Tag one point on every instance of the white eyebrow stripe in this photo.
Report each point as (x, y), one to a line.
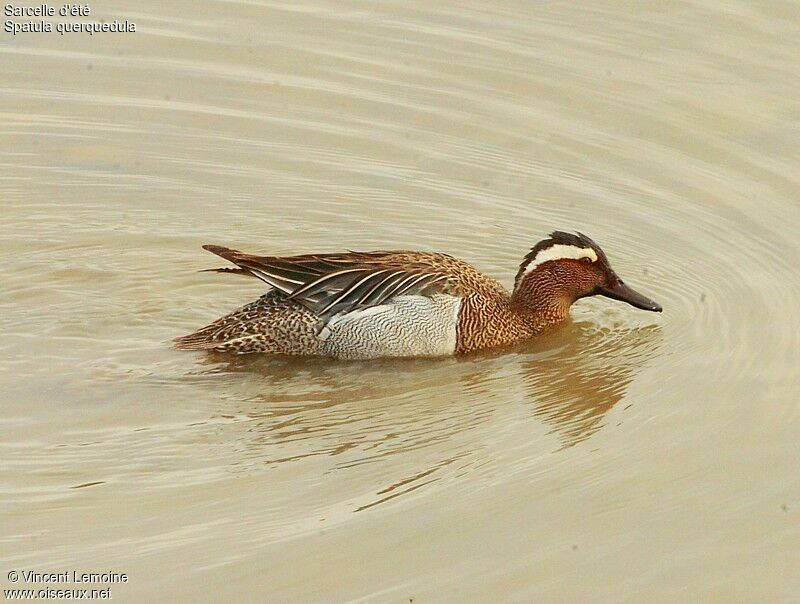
(560, 252)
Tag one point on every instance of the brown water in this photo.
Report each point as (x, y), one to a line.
(626, 456)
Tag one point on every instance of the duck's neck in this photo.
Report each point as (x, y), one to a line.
(540, 301)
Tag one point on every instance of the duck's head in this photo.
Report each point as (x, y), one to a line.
(566, 267)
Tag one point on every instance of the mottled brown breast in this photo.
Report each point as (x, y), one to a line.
(488, 322)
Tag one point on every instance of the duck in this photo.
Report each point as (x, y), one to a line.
(366, 305)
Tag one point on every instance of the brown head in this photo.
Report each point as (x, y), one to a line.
(565, 268)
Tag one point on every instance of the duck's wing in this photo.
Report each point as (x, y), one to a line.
(328, 284)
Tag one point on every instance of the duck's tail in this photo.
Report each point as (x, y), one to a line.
(202, 339)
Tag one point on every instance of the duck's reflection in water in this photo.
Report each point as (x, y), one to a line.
(431, 415)
(578, 374)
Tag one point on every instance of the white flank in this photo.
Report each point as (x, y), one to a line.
(560, 252)
(406, 326)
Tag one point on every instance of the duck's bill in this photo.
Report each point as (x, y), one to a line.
(623, 293)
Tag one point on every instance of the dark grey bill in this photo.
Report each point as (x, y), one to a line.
(623, 293)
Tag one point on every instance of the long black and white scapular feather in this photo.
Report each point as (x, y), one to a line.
(329, 284)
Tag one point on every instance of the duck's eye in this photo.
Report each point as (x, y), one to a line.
(586, 260)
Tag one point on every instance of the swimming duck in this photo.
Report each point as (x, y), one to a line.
(361, 305)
